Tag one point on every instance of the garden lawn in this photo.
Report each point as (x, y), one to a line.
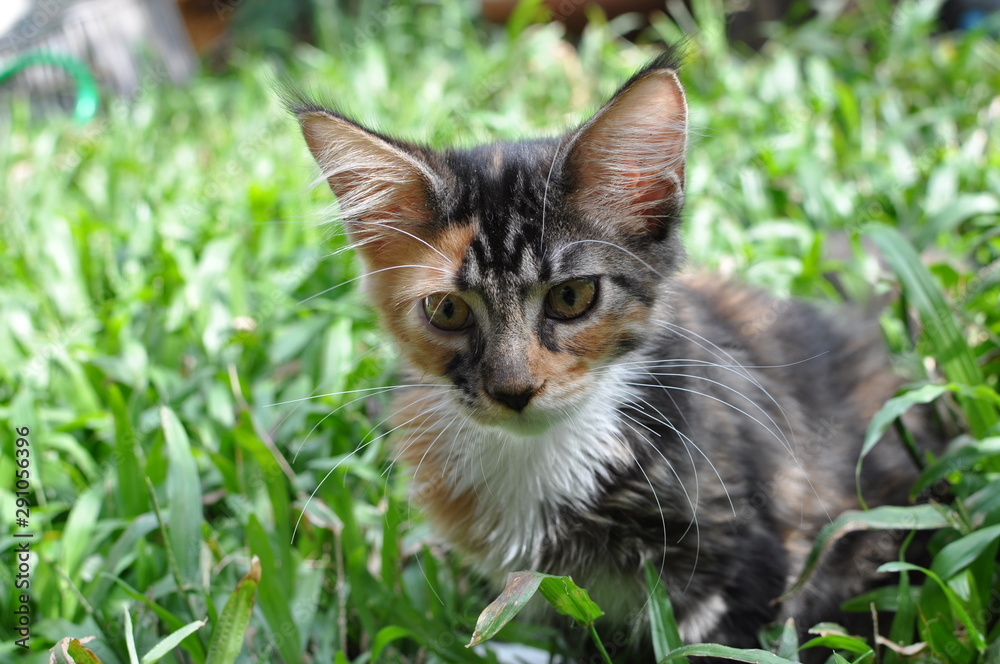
(200, 380)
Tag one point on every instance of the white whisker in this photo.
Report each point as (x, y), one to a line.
(687, 334)
(341, 407)
(423, 414)
(377, 390)
(694, 362)
(782, 439)
(367, 274)
(411, 439)
(337, 465)
(716, 399)
(407, 233)
(545, 195)
(687, 440)
(616, 246)
(416, 470)
(659, 508)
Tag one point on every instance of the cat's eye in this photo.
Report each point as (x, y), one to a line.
(571, 299)
(447, 311)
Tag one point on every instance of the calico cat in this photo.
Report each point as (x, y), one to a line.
(579, 406)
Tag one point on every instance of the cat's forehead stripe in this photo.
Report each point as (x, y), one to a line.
(502, 188)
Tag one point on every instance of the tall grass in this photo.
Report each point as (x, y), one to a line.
(199, 390)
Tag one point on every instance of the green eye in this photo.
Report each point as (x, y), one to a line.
(447, 311)
(571, 299)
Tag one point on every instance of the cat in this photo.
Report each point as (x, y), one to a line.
(579, 404)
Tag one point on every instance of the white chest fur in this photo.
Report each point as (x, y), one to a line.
(523, 482)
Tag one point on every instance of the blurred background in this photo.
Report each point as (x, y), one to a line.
(48, 48)
(181, 332)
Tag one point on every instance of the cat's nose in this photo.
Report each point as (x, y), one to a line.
(515, 400)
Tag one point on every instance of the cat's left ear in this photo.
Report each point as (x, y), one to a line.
(626, 164)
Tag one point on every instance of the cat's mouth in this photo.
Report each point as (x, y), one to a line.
(529, 423)
(532, 420)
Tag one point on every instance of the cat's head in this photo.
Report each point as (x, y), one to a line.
(516, 271)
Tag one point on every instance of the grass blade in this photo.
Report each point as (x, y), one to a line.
(78, 535)
(666, 636)
(72, 651)
(957, 605)
(570, 599)
(947, 343)
(788, 643)
(565, 597)
(133, 657)
(957, 555)
(80, 654)
(887, 517)
(904, 622)
(725, 652)
(887, 414)
(184, 498)
(275, 599)
(972, 630)
(387, 635)
(227, 639)
(171, 641)
(119, 556)
(131, 488)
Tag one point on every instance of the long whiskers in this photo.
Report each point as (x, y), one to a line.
(665, 421)
(376, 390)
(367, 274)
(694, 362)
(776, 432)
(408, 234)
(712, 347)
(659, 507)
(687, 333)
(717, 400)
(414, 435)
(409, 510)
(368, 392)
(339, 463)
(329, 415)
(645, 367)
(289, 412)
(615, 246)
(693, 503)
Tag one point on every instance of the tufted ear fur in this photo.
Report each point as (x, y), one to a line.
(626, 164)
(378, 182)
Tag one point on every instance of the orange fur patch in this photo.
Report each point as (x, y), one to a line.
(598, 339)
(544, 364)
(397, 290)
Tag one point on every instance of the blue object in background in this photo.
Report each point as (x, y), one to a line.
(968, 14)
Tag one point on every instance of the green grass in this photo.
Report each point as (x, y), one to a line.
(158, 338)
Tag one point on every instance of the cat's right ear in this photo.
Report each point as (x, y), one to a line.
(378, 182)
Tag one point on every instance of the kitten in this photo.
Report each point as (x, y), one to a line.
(578, 406)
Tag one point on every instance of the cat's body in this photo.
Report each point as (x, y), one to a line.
(578, 408)
(715, 454)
